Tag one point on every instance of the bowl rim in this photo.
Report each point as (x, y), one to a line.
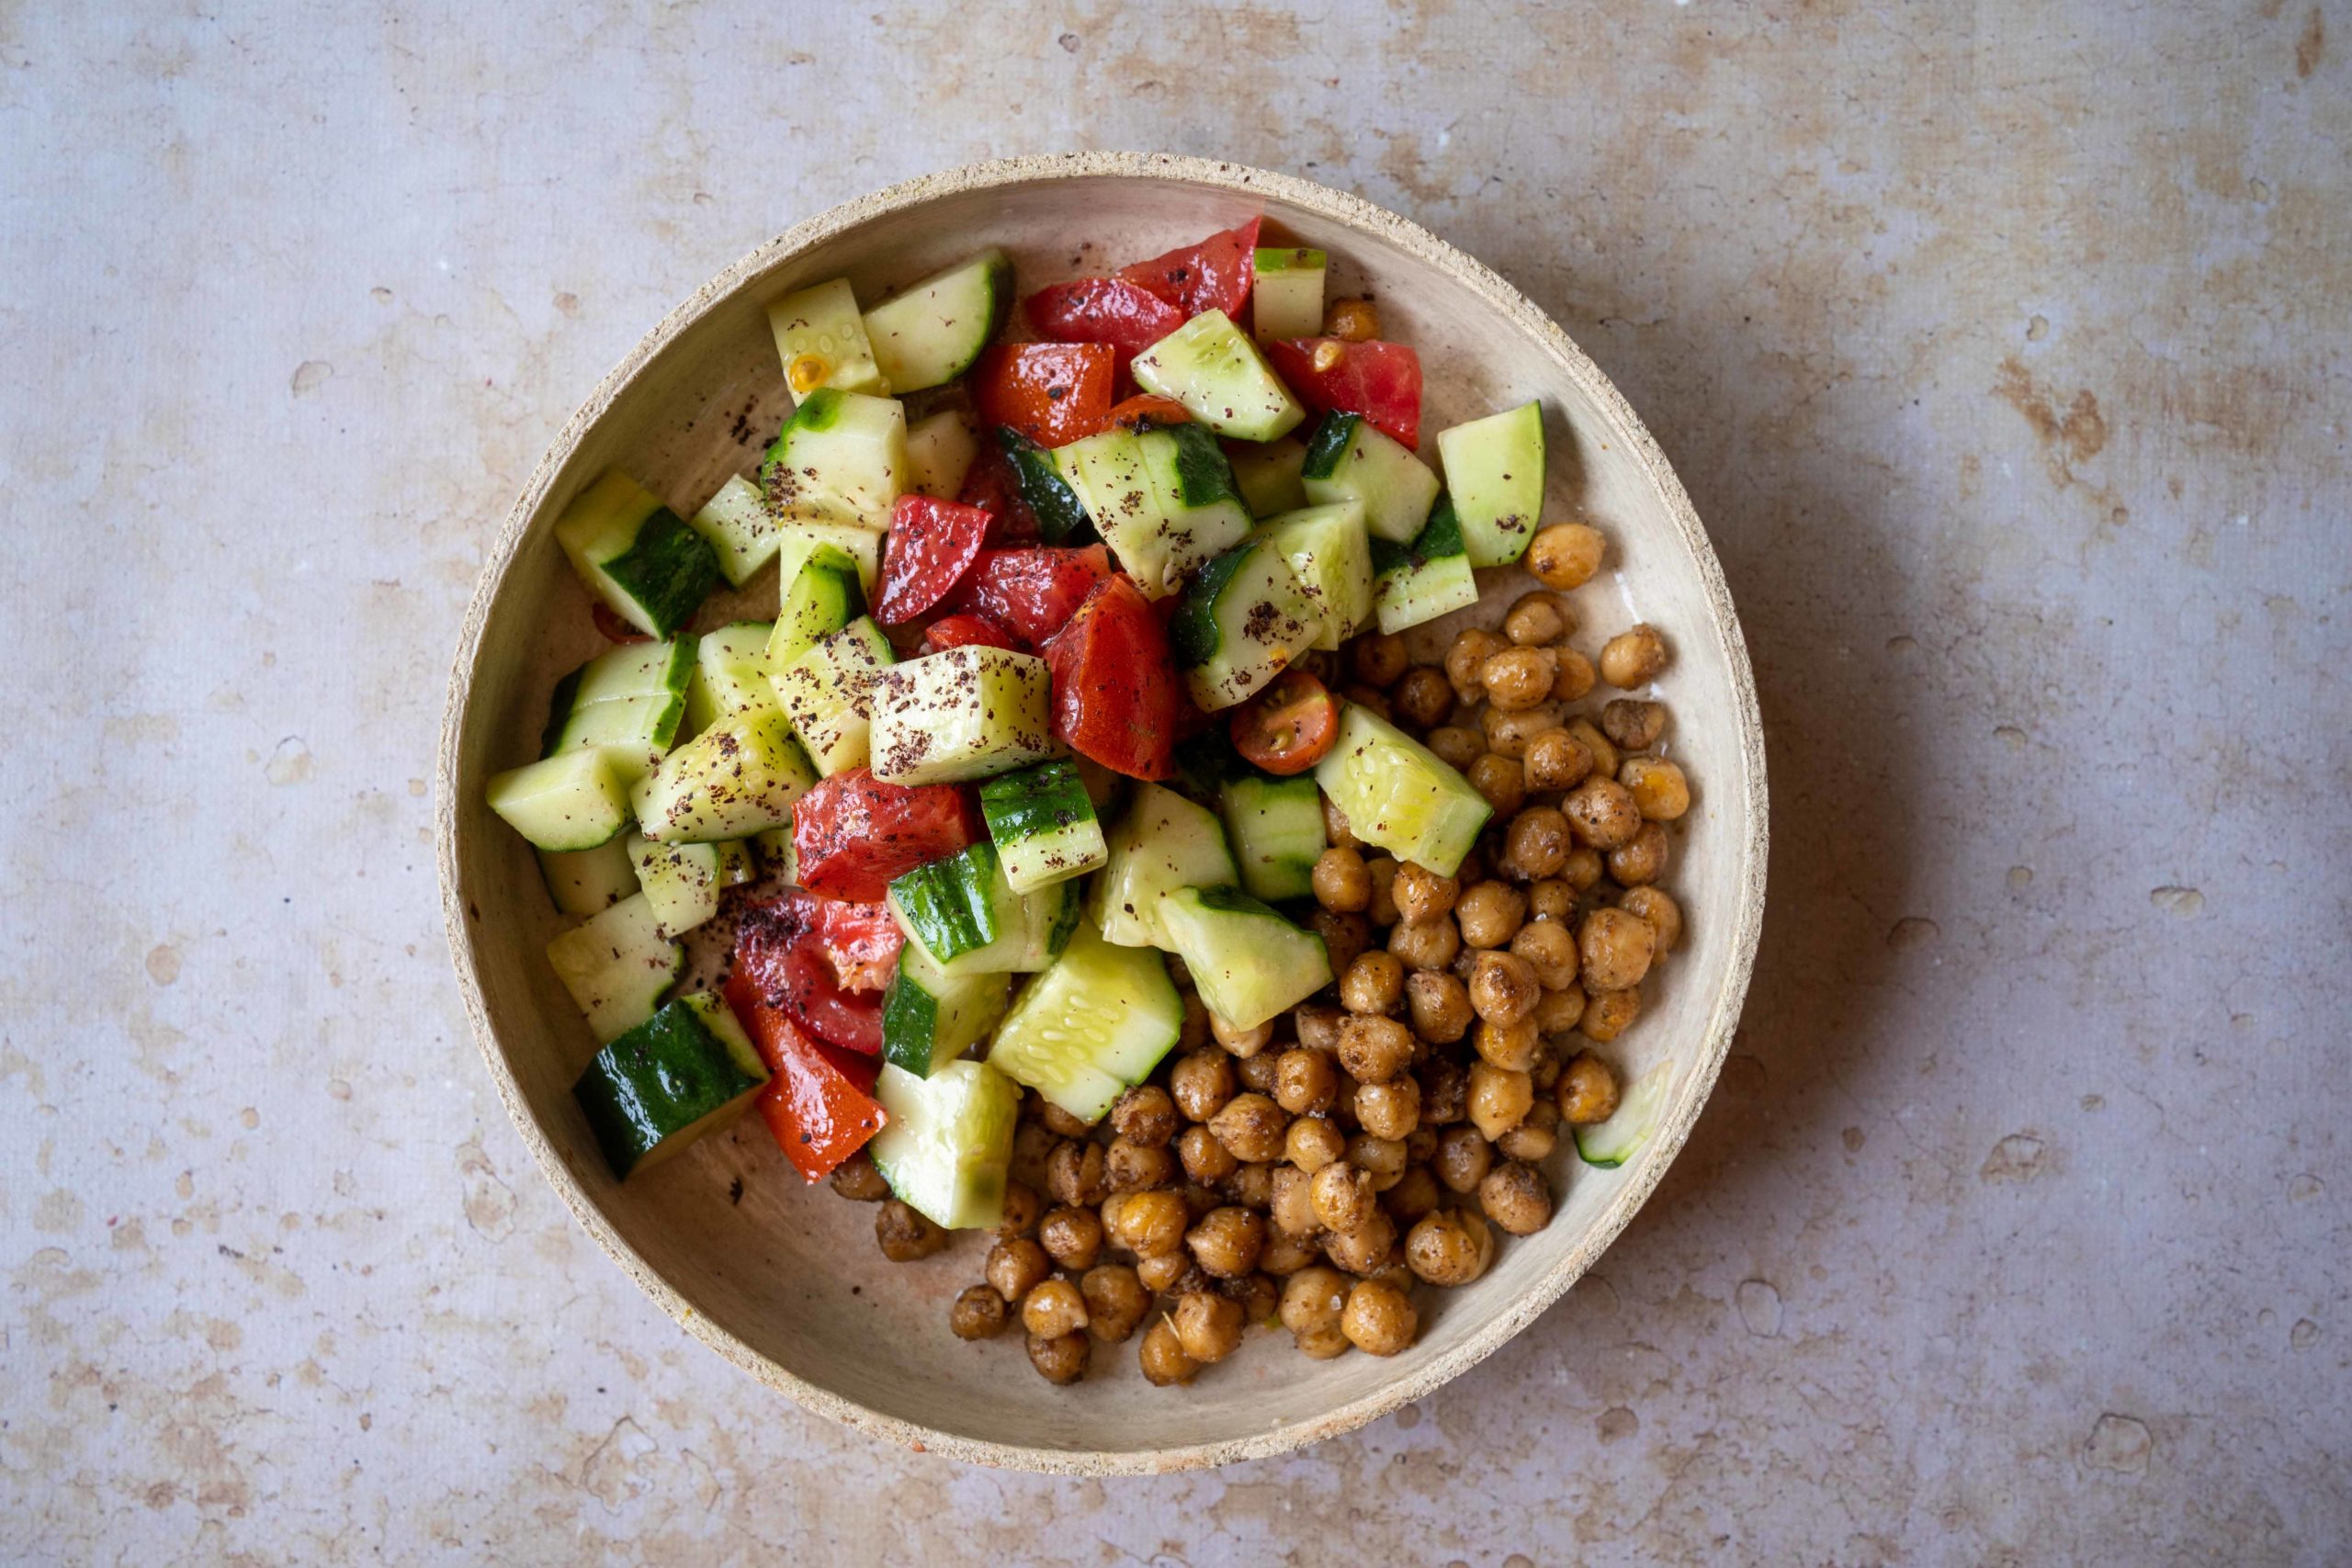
(1347, 210)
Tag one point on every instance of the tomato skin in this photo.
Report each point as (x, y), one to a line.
(1144, 409)
(818, 1102)
(1380, 381)
(932, 544)
(1115, 310)
(991, 485)
(1213, 274)
(612, 627)
(1117, 696)
(859, 941)
(1033, 591)
(1051, 392)
(1287, 727)
(852, 833)
(964, 631)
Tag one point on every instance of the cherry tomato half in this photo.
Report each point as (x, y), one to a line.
(1145, 409)
(1289, 727)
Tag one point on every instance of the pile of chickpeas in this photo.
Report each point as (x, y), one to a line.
(1313, 1169)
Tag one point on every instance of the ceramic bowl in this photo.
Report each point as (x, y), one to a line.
(786, 1280)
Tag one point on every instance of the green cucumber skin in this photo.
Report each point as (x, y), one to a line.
(656, 1080)
(1251, 973)
(559, 711)
(668, 570)
(1061, 516)
(1329, 445)
(1275, 827)
(909, 1025)
(948, 902)
(1193, 636)
(1203, 477)
(1046, 798)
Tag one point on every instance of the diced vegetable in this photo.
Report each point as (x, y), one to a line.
(841, 458)
(1242, 622)
(683, 882)
(736, 523)
(1431, 579)
(821, 340)
(1330, 552)
(1398, 795)
(827, 693)
(1249, 962)
(1493, 471)
(966, 712)
(931, 544)
(1163, 843)
(782, 952)
(1382, 381)
(1276, 830)
(962, 631)
(1208, 365)
(589, 882)
(1348, 459)
(1287, 298)
(1033, 593)
(574, 800)
(1061, 516)
(931, 1017)
(735, 779)
(617, 965)
(949, 1143)
(1043, 824)
(1163, 499)
(1288, 727)
(628, 704)
(1097, 1021)
(931, 332)
(1117, 697)
(822, 589)
(635, 555)
(1267, 474)
(1612, 1143)
(939, 453)
(968, 919)
(730, 674)
(853, 833)
(688, 1070)
(819, 1103)
(1213, 274)
(1124, 315)
(1051, 392)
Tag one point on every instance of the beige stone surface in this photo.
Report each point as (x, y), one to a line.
(2004, 349)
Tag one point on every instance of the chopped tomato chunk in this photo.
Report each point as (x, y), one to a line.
(1380, 381)
(991, 485)
(932, 544)
(1032, 593)
(959, 631)
(1117, 697)
(1145, 409)
(1211, 275)
(818, 1102)
(861, 940)
(852, 833)
(1051, 392)
(1125, 314)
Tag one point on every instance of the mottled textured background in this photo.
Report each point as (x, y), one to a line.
(2004, 348)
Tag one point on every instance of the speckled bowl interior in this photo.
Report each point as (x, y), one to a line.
(785, 1279)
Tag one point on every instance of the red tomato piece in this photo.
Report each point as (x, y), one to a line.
(1144, 409)
(1380, 381)
(931, 545)
(860, 941)
(961, 631)
(1033, 593)
(1117, 697)
(818, 1102)
(1051, 392)
(779, 953)
(989, 485)
(1289, 726)
(1211, 275)
(1127, 316)
(853, 832)
(612, 627)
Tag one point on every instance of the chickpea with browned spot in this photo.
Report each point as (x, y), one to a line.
(1415, 1194)
(1225, 1241)
(1206, 1158)
(1421, 894)
(1632, 725)
(1053, 1308)
(1535, 845)
(1015, 1268)
(1424, 698)
(1145, 1115)
(1022, 1208)
(1292, 1210)
(1601, 812)
(1343, 936)
(1256, 1074)
(1490, 914)
(1313, 1302)
(1289, 1254)
(1201, 1083)
(1661, 793)
(1163, 1272)
(1390, 1110)
(1445, 1089)
(1374, 1050)
(1512, 1046)
(1193, 1032)
(1549, 951)
(1318, 1026)
(1062, 1358)
(1115, 1301)
(1375, 983)
(1341, 1195)
(1633, 657)
(1575, 678)
(1367, 1248)
(1604, 753)
(1439, 1005)
(1613, 949)
(1609, 1013)
(856, 1180)
(1581, 870)
(1335, 826)
(1465, 661)
(1161, 1355)
(1250, 1127)
(1510, 732)
(1559, 1011)
(1503, 988)
(1381, 1158)
(1586, 1093)
(1313, 1141)
(1643, 860)
(1364, 696)
(1071, 1237)
(1074, 1174)
(1448, 1247)
(1565, 555)
(1516, 1197)
(1499, 1097)
(1208, 1326)
(1340, 882)
(1304, 1081)
(1257, 1292)
(1457, 746)
(1500, 780)
(1239, 1041)
(979, 1313)
(1537, 619)
(1379, 1318)
(1550, 897)
(1251, 1185)
(1431, 944)
(1378, 659)
(1150, 1224)
(1519, 678)
(1463, 1156)
(905, 1236)
(1532, 1141)
(1555, 760)
(1663, 914)
(1129, 1167)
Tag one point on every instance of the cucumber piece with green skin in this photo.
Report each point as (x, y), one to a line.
(962, 712)
(1043, 824)
(1399, 796)
(931, 334)
(820, 328)
(688, 1070)
(1612, 1143)
(801, 541)
(1493, 471)
(589, 882)
(1428, 579)
(1268, 475)
(930, 1017)
(1242, 621)
(823, 594)
(1249, 962)
(736, 523)
(1098, 1020)
(1349, 459)
(1330, 552)
(778, 857)
(629, 702)
(683, 882)
(946, 1145)
(1276, 828)
(964, 917)
(1162, 498)
(735, 779)
(1061, 516)
(730, 674)
(827, 692)
(1163, 843)
(1286, 293)
(1222, 379)
(841, 458)
(633, 553)
(573, 800)
(939, 453)
(617, 965)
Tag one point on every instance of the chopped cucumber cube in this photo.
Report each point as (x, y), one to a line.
(1331, 554)
(821, 340)
(1398, 795)
(841, 458)
(824, 594)
(939, 453)
(736, 523)
(1163, 843)
(589, 882)
(827, 692)
(1268, 476)
(1061, 516)
(1163, 499)
(931, 334)
(737, 778)
(962, 712)
(1099, 1020)
(1349, 459)
(617, 965)
(634, 554)
(1043, 824)
(966, 919)
(683, 882)
(1493, 470)
(1430, 579)
(1276, 826)
(1242, 621)
(930, 1017)
(1220, 377)
(629, 702)
(688, 1070)
(731, 675)
(947, 1145)
(1286, 295)
(1249, 962)
(573, 800)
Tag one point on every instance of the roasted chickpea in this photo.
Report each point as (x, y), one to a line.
(855, 1179)
(1225, 1241)
(1060, 1360)
(1193, 1032)
(1201, 1083)
(1145, 1115)
(1378, 659)
(1503, 988)
(1537, 619)
(1074, 1173)
(1559, 1011)
(1292, 1209)
(1462, 1158)
(1258, 1293)
(1062, 1121)
(1381, 1158)
(1390, 1110)
(1053, 1308)
(1430, 945)
(1445, 1089)
(1660, 792)
(1424, 698)
(1535, 845)
(1164, 1272)
(1242, 1043)
(1351, 321)
(1499, 1097)
(1581, 870)
(1364, 696)
(1149, 1224)
(1162, 1356)
(1633, 657)
(1500, 780)
(1022, 1207)
(1367, 1249)
(1554, 760)
(1379, 1318)
(1340, 1195)
(1632, 725)
(1129, 1167)
(1318, 1026)
(1255, 1073)
(1519, 678)
(1490, 914)
(1643, 860)
(1575, 677)
(1335, 826)
(1550, 899)
(1544, 1074)
(1115, 1301)
(1516, 1197)
(1206, 1158)
(1532, 1141)
(1288, 1254)
(1340, 882)
(1380, 909)
(1343, 936)
(1664, 915)
(1072, 1236)
(1250, 1127)
(1199, 1198)
(1512, 1046)
(1549, 951)
(1510, 732)
(1251, 1186)
(1466, 659)
(1374, 1050)
(1421, 894)
(1208, 1326)
(979, 1313)
(1312, 1141)
(1565, 555)
(1601, 812)
(1615, 947)
(1304, 1081)
(1452, 1248)
(1015, 1268)
(1457, 746)
(1605, 755)
(904, 1235)
(1313, 1300)
(1440, 1005)
(1609, 1013)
